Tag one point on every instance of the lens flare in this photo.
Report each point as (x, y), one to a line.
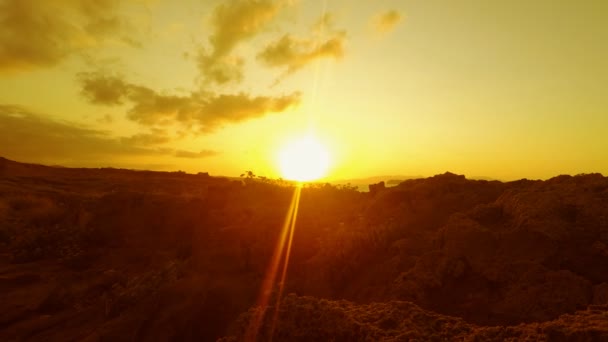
(281, 253)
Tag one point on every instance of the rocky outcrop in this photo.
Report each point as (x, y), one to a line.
(376, 188)
(312, 319)
(106, 254)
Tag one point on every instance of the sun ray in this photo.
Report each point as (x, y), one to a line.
(292, 228)
(280, 253)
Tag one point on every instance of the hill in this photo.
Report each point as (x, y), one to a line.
(110, 254)
(362, 183)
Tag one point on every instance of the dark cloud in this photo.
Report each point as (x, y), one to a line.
(101, 89)
(232, 22)
(236, 20)
(29, 136)
(30, 37)
(152, 108)
(42, 33)
(224, 109)
(206, 112)
(200, 154)
(293, 53)
(220, 70)
(200, 111)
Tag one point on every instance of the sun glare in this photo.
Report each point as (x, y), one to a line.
(304, 159)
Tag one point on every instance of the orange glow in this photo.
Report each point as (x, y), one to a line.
(281, 252)
(304, 159)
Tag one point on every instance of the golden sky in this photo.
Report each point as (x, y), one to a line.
(501, 89)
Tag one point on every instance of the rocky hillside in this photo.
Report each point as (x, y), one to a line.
(313, 319)
(109, 254)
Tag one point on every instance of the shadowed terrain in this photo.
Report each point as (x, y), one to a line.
(120, 255)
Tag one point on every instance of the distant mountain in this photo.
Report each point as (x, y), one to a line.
(363, 183)
(483, 178)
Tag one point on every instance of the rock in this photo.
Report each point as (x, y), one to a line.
(376, 188)
(600, 294)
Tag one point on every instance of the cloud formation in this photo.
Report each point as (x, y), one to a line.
(192, 155)
(386, 22)
(293, 53)
(220, 70)
(205, 112)
(233, 22)
(99, 88)
(42, 33)
(28, 136)
(201, 111)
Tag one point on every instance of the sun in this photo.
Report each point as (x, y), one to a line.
(304, 159)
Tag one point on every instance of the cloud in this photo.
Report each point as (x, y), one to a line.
(101, 89)
(293, 53)
(238, 20)
(233, 22)
(236, 108)
(201, 154)
(30, 38)
(154, 137)
(201, 111)
(206, 112)
(220, 70)
(30, 136)
(39, 34)
(386, 22)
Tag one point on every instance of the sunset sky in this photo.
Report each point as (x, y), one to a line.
(501, 89)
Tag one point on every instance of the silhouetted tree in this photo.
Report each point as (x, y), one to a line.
(248, 174)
